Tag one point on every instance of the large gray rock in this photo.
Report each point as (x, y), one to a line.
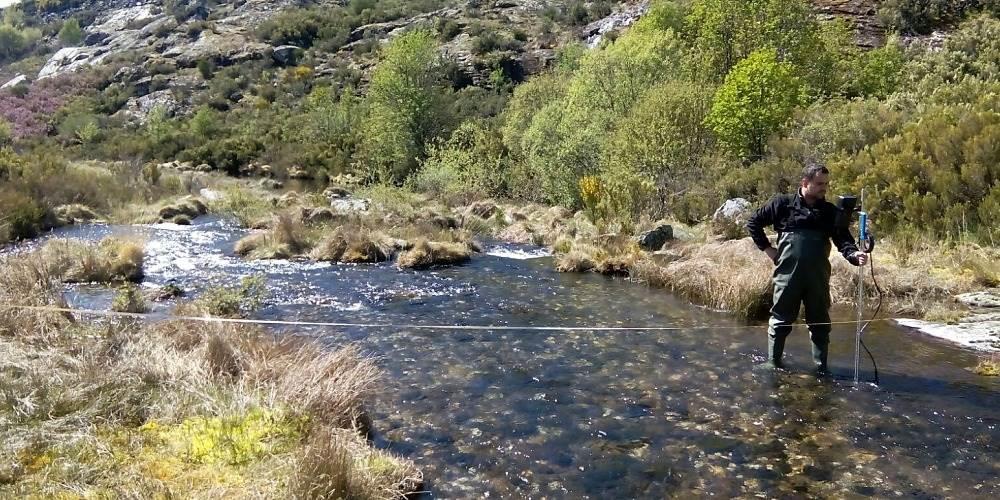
(350, 204)
(654, 239)
(95, 38)
(621, 18)
(730, 218)
(286, 55)
(732, 210)
(981, 300)
(137, 109)
(14, 81)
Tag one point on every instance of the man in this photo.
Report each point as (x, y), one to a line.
(805, 223)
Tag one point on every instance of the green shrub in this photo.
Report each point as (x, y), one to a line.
(473, 161)
(240, 301)
(71, 34)
(17, 42)
(924, 16)
(663, 137)
(20, 216)
(129, 299)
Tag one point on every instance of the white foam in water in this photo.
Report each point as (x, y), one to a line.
(983, 335)
(518, 253)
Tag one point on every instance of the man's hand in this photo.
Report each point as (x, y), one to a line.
(772, 253)
(861, 258)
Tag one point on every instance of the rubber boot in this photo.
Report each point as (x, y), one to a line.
(820, 350)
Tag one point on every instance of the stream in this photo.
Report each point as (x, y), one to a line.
(628, 414)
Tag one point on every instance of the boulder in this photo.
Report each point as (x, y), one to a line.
(729, 219)
(14, 81)
(654, 239)
(137, 109)
(981, 300)
(320, 215)
(296, 172)
(95, 38)
(166, 292)
(351, 205)
(286, 55)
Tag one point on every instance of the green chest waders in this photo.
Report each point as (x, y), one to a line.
(802, 276)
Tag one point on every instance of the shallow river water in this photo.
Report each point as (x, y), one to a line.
(636, 414)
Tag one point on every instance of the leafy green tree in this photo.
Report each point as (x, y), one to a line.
(16, 42)
(727, 31)
(756, 99)
(71, 34)
(664, 136)
(405, 107)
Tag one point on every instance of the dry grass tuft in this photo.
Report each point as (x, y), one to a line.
(426, 254)
(336, 464)
(286, 238)
(30, 281)
(178, 408)
(731, 275)
(113, 260)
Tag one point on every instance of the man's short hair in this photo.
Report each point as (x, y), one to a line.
(812, 169)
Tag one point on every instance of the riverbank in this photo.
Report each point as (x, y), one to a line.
(165, 408)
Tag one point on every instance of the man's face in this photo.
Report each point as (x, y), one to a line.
(816, 188)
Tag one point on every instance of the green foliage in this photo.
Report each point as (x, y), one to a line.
(17, 42)
(473, 161)
(129, 299)
(233, 302)
(755, 101)
(727, 31)
(663, 137)
(405, 108)
(939, 173)
(20, 216)
(70, 34)
(231, 440)
(924, 16)
(6, 134)
(206, 68)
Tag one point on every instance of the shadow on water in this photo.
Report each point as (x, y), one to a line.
(583, 414)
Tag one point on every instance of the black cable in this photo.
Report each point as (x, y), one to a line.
(881, 296)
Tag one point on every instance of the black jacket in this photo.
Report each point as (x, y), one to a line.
(789, 213)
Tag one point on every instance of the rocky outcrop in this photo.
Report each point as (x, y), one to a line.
(623, 17)
(17, 80)
(138, 109)
(979, 330)
(862, 16)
